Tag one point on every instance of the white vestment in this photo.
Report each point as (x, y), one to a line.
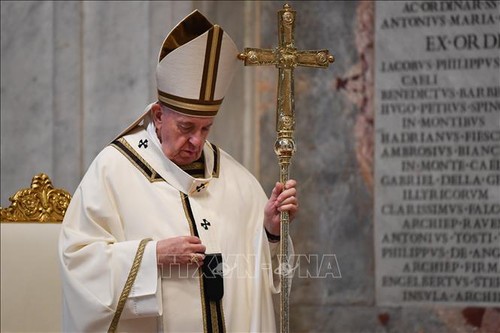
(132, 191)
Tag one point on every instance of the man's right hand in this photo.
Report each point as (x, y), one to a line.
(181, 250)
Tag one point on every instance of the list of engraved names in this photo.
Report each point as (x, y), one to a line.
(437, 152)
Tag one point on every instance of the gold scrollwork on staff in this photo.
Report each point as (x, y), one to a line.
(40, 203)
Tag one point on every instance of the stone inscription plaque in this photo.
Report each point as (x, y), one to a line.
(437, 152)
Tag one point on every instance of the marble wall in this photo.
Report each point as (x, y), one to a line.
(75, 73)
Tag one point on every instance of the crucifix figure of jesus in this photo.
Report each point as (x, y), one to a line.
(285, 57)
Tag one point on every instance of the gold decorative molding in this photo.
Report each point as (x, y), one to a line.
(40, 203)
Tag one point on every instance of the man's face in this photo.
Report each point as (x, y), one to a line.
(182, 137)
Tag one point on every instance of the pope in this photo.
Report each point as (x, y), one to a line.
(166, 231)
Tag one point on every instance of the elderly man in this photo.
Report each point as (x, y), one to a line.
(166, 232)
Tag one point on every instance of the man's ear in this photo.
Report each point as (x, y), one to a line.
(156, 113)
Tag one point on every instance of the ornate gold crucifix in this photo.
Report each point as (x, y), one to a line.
(285, 57)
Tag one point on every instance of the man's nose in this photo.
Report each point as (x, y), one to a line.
(196, 139)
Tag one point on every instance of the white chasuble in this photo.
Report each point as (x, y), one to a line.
(132, 191)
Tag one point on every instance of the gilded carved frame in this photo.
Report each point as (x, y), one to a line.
(41, 203)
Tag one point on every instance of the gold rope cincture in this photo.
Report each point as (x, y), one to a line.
(128, 284)
(285, 57)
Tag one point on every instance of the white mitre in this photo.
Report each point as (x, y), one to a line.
(195, 68)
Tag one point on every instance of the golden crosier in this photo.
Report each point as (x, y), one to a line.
(286, 58)
(40, 203)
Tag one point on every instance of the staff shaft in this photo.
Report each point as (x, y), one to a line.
(284, 149)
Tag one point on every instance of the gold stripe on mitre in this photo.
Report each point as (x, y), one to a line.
(192, 107)
(212, 55)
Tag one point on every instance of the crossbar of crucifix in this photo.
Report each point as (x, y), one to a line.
(285, 57)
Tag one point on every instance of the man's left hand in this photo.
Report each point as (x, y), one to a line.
(283, 199)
